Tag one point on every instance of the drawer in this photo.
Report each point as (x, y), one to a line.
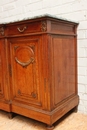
(23, 28)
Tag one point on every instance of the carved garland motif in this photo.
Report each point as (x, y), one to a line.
(43, 26)
(2, 31)
(31, 60)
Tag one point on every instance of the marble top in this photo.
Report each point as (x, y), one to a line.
(39, 16)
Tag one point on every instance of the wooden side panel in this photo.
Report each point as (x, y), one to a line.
(64, 67)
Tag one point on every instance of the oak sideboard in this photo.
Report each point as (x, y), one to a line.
(38, 68)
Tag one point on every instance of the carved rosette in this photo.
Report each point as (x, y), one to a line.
(34, 95)
(43, 26)
(1, 31)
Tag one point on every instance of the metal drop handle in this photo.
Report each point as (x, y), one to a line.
(21, 30)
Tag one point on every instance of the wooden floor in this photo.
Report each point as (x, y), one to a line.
(73, 121)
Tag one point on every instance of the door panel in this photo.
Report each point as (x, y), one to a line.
(4, 89)
(1, 73)
(25, 57)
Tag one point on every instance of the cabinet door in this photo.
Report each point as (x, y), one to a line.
(4, 90)
(25, 68)
(1, 71)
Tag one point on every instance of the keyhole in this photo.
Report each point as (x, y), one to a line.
(19, 92)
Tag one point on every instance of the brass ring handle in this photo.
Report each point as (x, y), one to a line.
(21, 30)
(24, 64)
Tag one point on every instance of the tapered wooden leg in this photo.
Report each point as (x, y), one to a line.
(50, 127)
(11, 115)
(75, 109)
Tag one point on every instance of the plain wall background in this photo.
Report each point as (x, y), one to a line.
(13, 10)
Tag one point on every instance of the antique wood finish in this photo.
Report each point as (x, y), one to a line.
(38, 68)
(4, 82)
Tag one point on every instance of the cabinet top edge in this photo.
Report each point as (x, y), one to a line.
(40, 17)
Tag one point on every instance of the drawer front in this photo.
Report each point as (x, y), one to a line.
(24, 28)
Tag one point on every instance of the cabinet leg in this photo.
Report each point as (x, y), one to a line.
(50, 127)
(11, 115)
(75, 109)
